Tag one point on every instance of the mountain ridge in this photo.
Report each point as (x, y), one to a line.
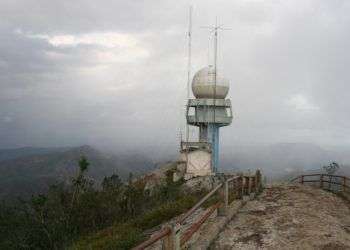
(32, 174)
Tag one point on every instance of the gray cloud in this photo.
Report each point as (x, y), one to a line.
(113, 73)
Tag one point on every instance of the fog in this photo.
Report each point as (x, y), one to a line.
(113, 73)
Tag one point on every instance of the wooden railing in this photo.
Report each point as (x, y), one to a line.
(230, 189)
(326, 181)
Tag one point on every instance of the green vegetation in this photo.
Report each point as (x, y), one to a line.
(79, 216)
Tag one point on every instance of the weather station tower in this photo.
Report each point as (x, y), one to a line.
(209, 111)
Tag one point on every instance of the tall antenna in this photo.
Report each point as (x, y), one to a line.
(215, 61)
(188, 76)
(214, 29)
(189, 52)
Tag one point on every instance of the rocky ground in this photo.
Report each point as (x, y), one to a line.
(289, 217)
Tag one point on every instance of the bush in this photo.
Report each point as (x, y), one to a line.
(127, 235)
(82, 217)
(165, 212)
(122, 236)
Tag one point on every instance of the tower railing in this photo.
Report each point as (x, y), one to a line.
(175, 235)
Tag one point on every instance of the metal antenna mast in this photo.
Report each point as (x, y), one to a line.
(214, 29)
(189, 34)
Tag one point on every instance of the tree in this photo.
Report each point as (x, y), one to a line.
(331, 168)
(80, 182)
(112, 183)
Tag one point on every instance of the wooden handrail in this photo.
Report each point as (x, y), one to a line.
(233, 178)
(294, 179)
(322, 180)
(336, 183)
(195, 207)
(308, 175)
(194, 228)
(336, 176)
(153, 239)
(174, 230)
(330, 175)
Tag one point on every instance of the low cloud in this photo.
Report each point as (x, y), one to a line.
(300, 103)
(114, 73)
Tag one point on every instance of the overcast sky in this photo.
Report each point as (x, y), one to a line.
(113, 73)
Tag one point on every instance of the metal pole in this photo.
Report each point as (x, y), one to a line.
(188, 78)
(215, 77)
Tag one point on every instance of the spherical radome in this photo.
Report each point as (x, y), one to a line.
(203, 84)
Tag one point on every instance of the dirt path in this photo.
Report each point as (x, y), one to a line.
(289, 217)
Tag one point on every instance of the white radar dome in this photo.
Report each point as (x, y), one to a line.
(203, 84)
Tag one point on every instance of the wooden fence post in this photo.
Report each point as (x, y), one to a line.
(235, 188)
(239, 187)
(226, 195)
(168, 241)
(259, 180)
(176, 236)
(242, 184)
(321, 181)
(245, 185)
(302, 179)
(252, 188)
(249, 185)
(344, 184)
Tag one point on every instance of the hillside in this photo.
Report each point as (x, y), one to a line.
(34, 173)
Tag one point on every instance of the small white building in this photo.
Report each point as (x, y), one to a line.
(198, 157)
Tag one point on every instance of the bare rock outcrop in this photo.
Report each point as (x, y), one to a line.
(289, 217)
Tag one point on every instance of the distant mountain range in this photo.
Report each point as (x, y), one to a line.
(27, 171)
(13, 153)
(284, 159)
